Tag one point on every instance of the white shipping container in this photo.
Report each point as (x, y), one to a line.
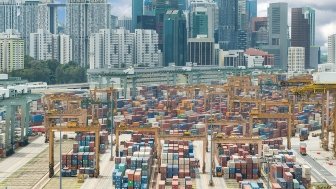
(306, 170)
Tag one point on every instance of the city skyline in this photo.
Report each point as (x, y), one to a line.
(325, 10)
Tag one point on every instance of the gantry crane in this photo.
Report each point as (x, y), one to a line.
(184, 137)
(220, 138)
(71, 110)
(324, 89)
(255, 114)
(94, 127)
(123, 127)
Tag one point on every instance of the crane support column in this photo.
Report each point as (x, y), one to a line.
(327, 124)
(51, 153)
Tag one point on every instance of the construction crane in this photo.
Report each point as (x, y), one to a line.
(325, 90)
(255, 114)
(94, 127)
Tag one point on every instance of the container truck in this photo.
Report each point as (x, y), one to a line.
(303, 148)
(219, 172)
(304, 133)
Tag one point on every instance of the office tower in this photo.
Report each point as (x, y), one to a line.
(199, 20)
(146, 22)
(259, 37)
(84, 17)
(11, 51)
(251, 9)
(278, 41)
(315, 57)
(296, 60)
(11, 16)
(201, 51)
(114, 22)
(137, 10)
(111, 49)
(332, 49)
(125, 22)
(65, 43)
(148, 9)
(147, 52)
(182, 4)
(161, 7)
(211, 11)
(228, 24)
(175, 38)
(303, 26)
(44, 45)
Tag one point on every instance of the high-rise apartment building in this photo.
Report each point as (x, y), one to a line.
(303, 26)
(111, 48)
(211, 11)
(84, 17)
(278, 41)
(201, 51)
(65, 43)
(175, 38)
(137, 10)
(11, 51)
(26, 17)
(44, 45)
(47, 46)
(296, 59)
(147, 52)
(228, 24)
(332, 49)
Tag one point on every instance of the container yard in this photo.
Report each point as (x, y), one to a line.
(251, 132)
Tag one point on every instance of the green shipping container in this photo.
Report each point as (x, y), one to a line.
(130, 183)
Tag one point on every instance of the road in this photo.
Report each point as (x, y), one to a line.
(318, 171)
(22, 156)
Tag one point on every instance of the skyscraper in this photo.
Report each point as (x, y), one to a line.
(125, 22)
(332, 49)
(11, 51)
(137, 10)
(211, 11)
(259, 35)
(228, 24)
(303, 26)
(278, 41)
(199, 20)
(161, 7)
(251, 9)
(148, 9)
(175, 38)
(84, 17)
(146, 22)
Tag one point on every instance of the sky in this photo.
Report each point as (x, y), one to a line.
(325, 14)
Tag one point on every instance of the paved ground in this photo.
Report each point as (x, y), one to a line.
(318, 159)
(11, 164)
(33, 170)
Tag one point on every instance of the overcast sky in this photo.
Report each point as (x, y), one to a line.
(325, 14)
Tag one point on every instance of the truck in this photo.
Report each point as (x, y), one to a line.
(304, 133)
(219, 171)
(303, 148)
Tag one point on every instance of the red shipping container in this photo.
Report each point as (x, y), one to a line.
(175, 185)
(137, 176)
(162, 184)
(276, 186)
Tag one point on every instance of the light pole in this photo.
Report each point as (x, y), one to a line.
(60, 151)
(112, 120)
(211, 183)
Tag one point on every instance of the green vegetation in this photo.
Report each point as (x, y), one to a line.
(50, 71)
